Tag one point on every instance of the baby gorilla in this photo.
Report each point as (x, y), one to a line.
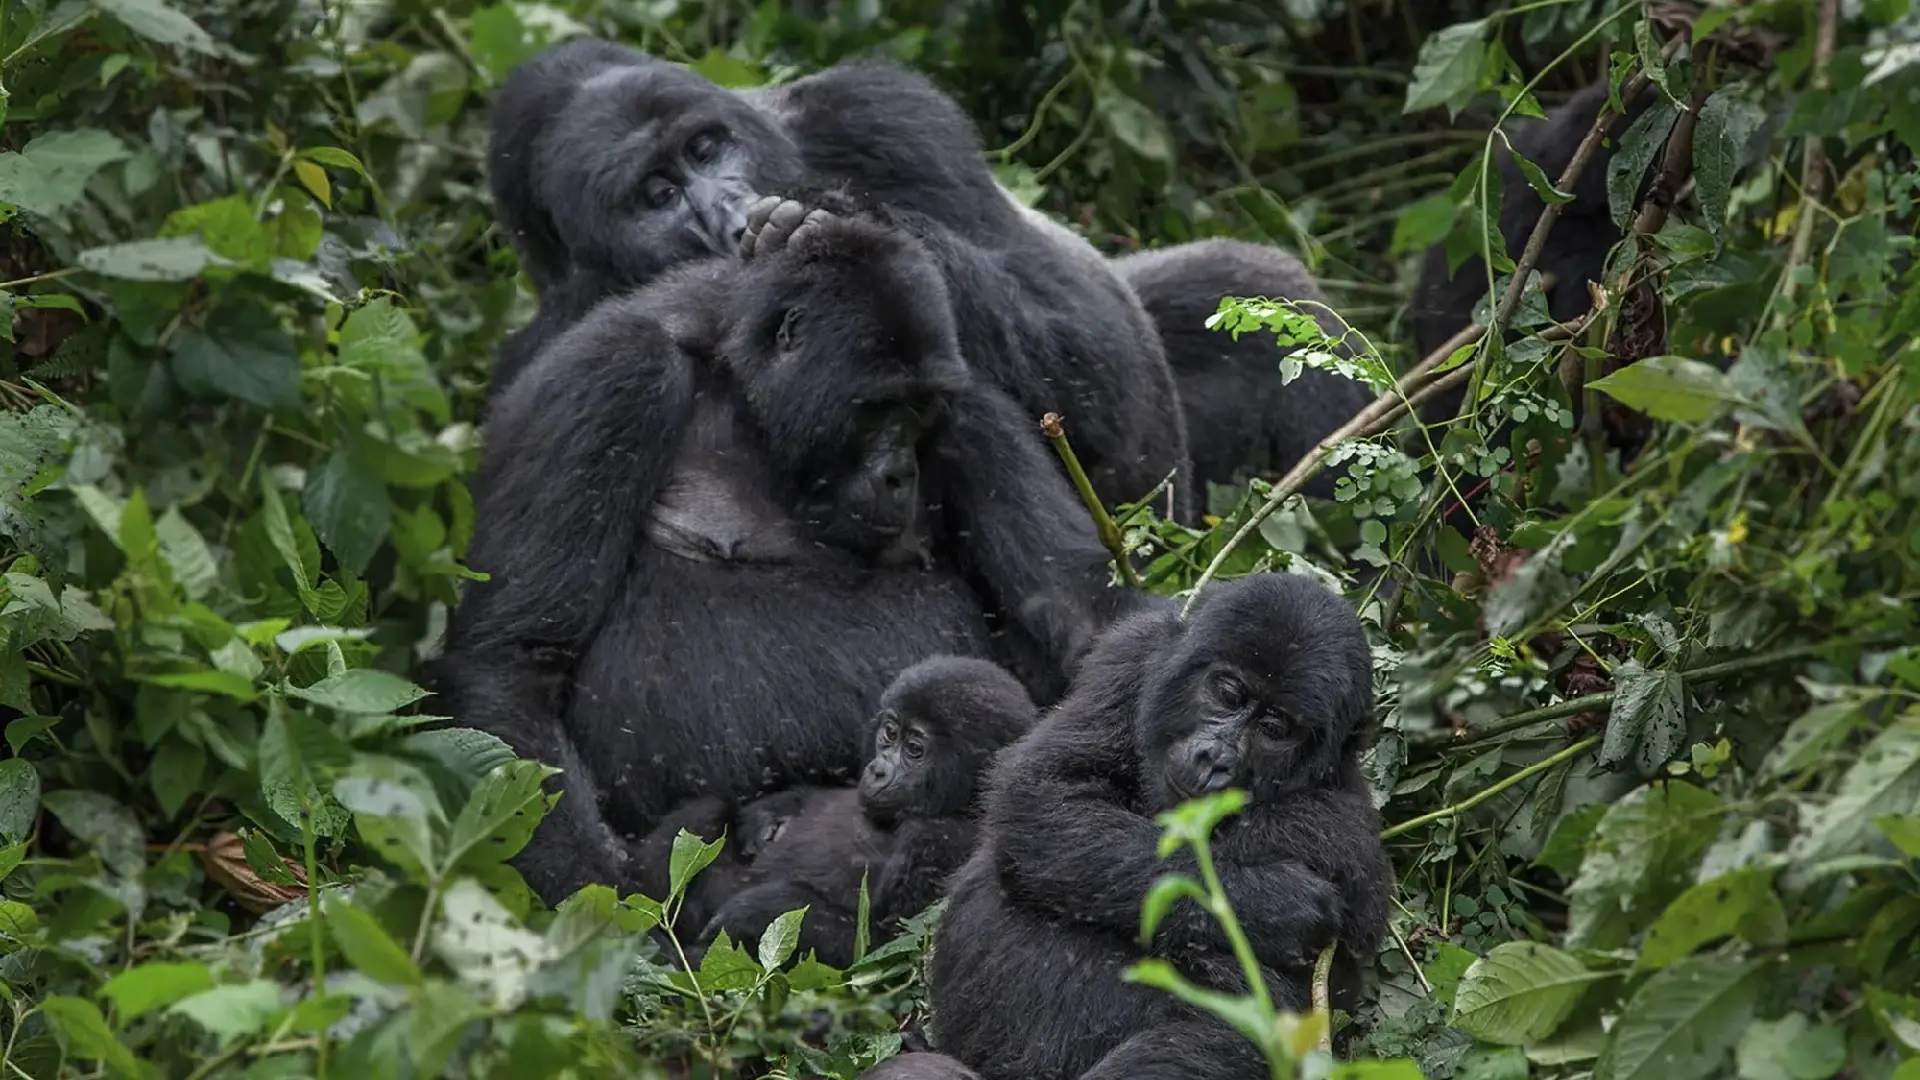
(1267, 689)
(906, 827)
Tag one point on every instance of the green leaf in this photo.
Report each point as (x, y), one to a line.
(1537, 180)
(1651, 61)
(500, 816)
(365, 691)
(1520, 993)
(1886, 776)
(235, 1011)
(240, 352)
(1812, 738)
(1903, 830)
(176, 258)
(1637, 150)
(333, 155)
(1240, 1012)
(347, 504)
(1423, 224)
(481, 941)
(155, 21)
(1726, 124)
(142, 989)
(85, 1034)
(1790, 1048)
(187, 554)
(229, 229)
(1683, 1023)
(50, 173)
(780, 939)
(107, 827)
(234, 686)
(1640, 857)
(175, 774)
(1167, 891)
(1648, 718)
(1741, 902)
(1449, 70)
(727, 966)
(1670, 388)
(690, 855)
(1133, 123)
(19, 798)
(368, 947)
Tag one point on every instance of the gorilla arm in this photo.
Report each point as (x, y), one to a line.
(925, 853)
(576, 448)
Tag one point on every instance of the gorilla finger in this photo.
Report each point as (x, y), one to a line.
(757, 216)
(809, 225)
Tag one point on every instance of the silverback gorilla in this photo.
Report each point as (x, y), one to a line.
(609, 166)
(1267, 689)
(656, 512)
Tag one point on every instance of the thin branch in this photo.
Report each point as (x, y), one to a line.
(1472, 801)
(1813, 153)
(1109, 533)
(1323, 996)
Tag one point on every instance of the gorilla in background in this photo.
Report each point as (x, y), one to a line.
(609, 166)
(1240, 417)
(659, 497)
(1268, 688)
(906, 827)
(922, 1066)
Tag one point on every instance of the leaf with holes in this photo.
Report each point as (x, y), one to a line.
(481, 941)
(500, 816)
(19, 798)
(1520, 993)
(1637, 149)
(1727, 123)
(1648, 719)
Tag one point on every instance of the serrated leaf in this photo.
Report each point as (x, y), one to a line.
(19, 798)
(155, 21)
(107, 827)
(174, 258)
(1886, 776)
(1710, 911)
(233, 1012)
(1648, 717)
(187, 554)
(1449, 69)
(466, 752)
(85, 1034)
(727, 966)
(1520, 993)
(690, 855)
(780, 939)
(1726, 124)
(365, 691)
(1637, 150)
(346, 502)
(1651, 60)
(1670, 388)
(151, 986)
(500, 816)
(1683, 1023)
(368, 947)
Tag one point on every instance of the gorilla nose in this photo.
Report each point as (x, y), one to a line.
(878, 775)
(1212, 766)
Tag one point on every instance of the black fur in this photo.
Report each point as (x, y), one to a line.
(646, 553)
(1240, 418)
(579, 125)
(909, 825)
(922, 1066)
(1268, 688)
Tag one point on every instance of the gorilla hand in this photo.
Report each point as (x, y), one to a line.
(774, 223)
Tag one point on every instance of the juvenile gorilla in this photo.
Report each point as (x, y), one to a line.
(920, 1066)
(609, 166)
(1268, 689)
(1240, 417)
(908, 825)
(646, 516)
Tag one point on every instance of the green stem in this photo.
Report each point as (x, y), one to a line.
(307, 841)
(1472, 801)
(1230, 924)
(1323, 993)
(1103, 525)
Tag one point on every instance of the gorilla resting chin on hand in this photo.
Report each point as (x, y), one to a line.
(1268, 689)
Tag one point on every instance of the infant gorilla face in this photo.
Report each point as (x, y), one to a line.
(940, 722)
(843, 344)
(1265, 691)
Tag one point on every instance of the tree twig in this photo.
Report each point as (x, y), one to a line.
(1323, 993)
(1472, 801)
(1813, 153)
(1056, 432)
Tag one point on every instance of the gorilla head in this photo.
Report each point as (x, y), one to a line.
(843, 347)
(605, 158)
(938, 725)
(1270, 690)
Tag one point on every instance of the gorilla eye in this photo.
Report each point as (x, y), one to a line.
(1274, 727)
(915, 749)
(789, 323)
(889, 732)
(1229, 691)
(704, 147)
(658, 191)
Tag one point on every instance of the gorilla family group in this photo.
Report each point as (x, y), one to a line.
(776, 551)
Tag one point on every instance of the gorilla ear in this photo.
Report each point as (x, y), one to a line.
(789, 324)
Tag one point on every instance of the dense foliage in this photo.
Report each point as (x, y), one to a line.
(1651, 705)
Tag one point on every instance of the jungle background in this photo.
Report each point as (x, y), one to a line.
(1648, 689)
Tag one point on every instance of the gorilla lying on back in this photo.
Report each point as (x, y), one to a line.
(661, 509)
(906, 827)
(609, 166)
(1268, 689)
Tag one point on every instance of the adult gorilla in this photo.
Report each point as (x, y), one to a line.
(675, 608)
(609, 166)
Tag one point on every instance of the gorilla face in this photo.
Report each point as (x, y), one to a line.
(650, 166)
(908, 755)
(1268, 689)
(939, 723)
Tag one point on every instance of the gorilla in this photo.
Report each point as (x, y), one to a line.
(1239, 415)
(906, 827)
(1268, 688)
(609, 166)
(920, 1066)
(750, 828)
(658, 501)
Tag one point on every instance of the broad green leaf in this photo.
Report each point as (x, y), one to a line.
(466, 752)
(1423, 224)
(480, 940)
(1133, 123)
(19, 798)
(186, 553)
(1638, 149)
(1444, 972)
(333, 155)
(228, 227)
(690, 855)
(1790, 1048)
(155, 21)
(50, 173)
(434, 1028)
(234, 1011)
(368, 947)
(1670, 388)
(86, 1035)
(1639, 858)
(1812, 737)
(346, 502)
(365, 691)
(314, 179)
(780, 938)
(1726, 124)
(500, 816)
(1684, 1022)
(1648, 718)
(142, 989)
(1886, 777)
(234, 686)
(175, 774)
(1741, 902)
(1519, 993)
(1449, 69)
(1903, 830)
(727, 966)
(499, 41)
(240, 352)
(176, 258)
(11, 856)
(107, 827)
